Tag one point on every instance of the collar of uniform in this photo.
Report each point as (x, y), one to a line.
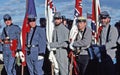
(105, 28)
(9, 25)
(31, 29)
(58, 26)
(82, 30)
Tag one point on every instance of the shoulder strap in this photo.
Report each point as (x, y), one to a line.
(31, 36)
(83, 34)
(108, 33)
(5, 32)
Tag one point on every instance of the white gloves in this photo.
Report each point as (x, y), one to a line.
(1, 57)
(21, 55)
(40, 57)
(17, 54)
(71, 46)
(48, 46)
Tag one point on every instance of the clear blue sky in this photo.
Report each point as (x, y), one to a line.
(16, 8)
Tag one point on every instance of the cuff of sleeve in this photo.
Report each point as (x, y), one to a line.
(18, 50)
(67, 42)
(41, 54)
(103, 48)
(1, 52)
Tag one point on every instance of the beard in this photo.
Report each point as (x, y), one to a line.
(105, 24)
(56, 24)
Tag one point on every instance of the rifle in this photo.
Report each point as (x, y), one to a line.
(73, 64)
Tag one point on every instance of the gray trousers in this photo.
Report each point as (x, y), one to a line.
(34, 65)
(62, 59)
(9, 61)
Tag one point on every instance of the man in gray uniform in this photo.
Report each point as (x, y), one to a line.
(80, 45)
(35, 47)
(60, 36)
(108, 38)
(10, 40)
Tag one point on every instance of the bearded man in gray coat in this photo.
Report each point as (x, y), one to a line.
(60, 36)
(108, 39)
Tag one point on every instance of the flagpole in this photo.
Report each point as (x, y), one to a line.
(96, 19)
(71, 65)
(97, 11)
(49, 13)
(72, 36)
(48, 39)
(22, 69)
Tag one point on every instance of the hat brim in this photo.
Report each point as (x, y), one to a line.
(77, 21)
(5, 19)
(104, 17)
(57, 17)
(31, 19)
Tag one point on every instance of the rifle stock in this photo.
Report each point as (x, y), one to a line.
(71, 65)
(52, 68)
(22, 71)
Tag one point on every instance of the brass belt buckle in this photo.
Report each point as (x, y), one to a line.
(28, 46)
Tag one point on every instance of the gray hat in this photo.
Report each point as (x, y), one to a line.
(31, 16)
(104, 14)
(7, 17)
(80, 19)
(57, 15)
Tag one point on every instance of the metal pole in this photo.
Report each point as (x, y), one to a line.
(22, 71)
(52, 68)
(71, 65)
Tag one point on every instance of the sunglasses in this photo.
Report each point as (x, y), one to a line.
(57, 18)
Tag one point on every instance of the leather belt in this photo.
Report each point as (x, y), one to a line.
(6, 41)
(31, 46)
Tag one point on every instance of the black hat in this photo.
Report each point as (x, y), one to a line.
(63, 17)
(31, 18)
(104, 14)
(42, 19)
(7, 17)
(42, 22)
